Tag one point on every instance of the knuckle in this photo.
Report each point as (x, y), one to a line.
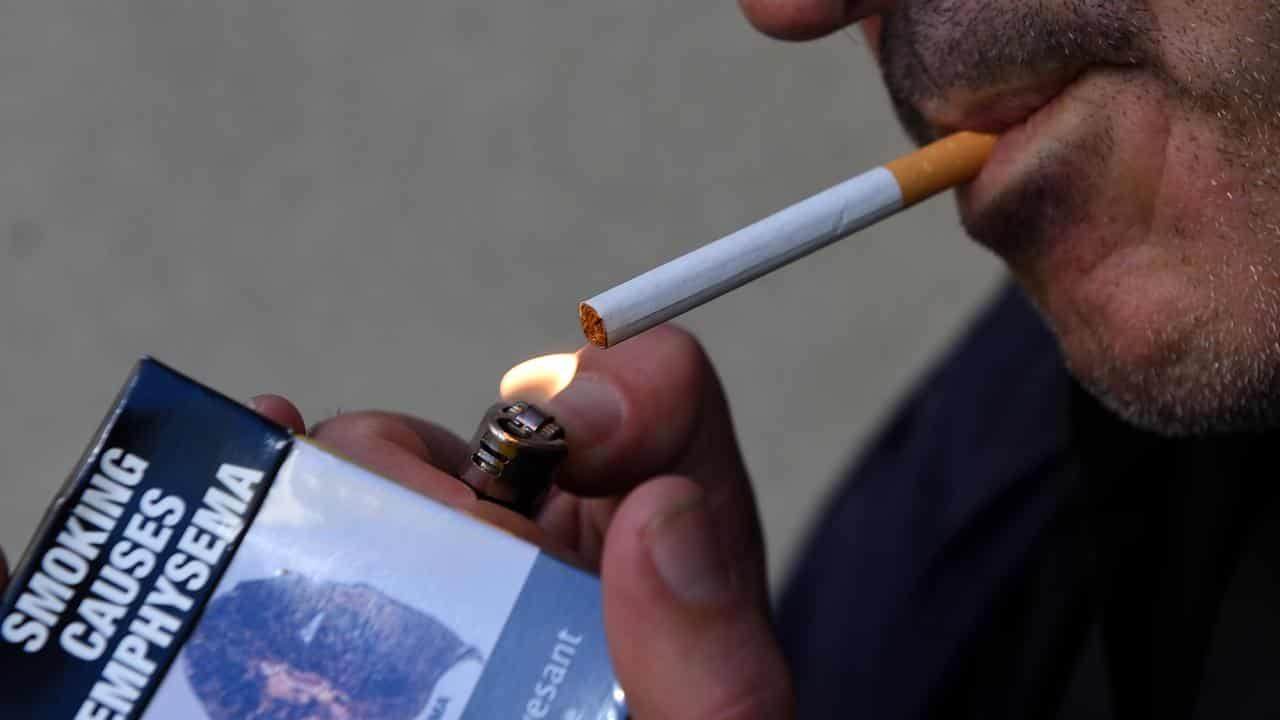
(365, 427)
(686, 354)
(765, 692)
(759, 702)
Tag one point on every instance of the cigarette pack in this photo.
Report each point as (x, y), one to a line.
(201, 562)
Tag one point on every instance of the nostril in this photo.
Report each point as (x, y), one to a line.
(807, 19)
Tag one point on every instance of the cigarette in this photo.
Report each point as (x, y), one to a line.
(734, 260)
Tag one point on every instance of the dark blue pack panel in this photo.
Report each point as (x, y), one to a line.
(132, 547)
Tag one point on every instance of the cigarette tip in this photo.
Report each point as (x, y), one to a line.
(592, 325)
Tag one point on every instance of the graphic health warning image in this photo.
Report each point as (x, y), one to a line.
(351, 598)
(290, 647)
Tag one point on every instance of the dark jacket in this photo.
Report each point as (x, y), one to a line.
(1008, 549)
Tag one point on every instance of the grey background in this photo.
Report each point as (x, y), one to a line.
(388, 204)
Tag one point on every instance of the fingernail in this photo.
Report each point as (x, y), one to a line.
(590, 410)
(685, 550)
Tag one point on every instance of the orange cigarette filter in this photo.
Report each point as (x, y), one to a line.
(953, 160)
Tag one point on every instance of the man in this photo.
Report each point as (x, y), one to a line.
(1013, 546)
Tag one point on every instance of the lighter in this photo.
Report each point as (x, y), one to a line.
(513, 456)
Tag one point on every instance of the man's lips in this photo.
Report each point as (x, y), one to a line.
(1022, 113)
(998, 108)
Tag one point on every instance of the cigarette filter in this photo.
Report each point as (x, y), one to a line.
(732, 261)
(203, 564)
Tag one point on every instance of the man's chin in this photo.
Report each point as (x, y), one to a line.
(1163, 404)
(1161, 358)
(1156, 297)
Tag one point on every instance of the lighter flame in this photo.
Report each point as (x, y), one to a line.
(538, 379)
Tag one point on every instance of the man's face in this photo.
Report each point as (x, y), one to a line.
(1135, 192)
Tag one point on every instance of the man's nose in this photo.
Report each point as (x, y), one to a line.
(808, 19)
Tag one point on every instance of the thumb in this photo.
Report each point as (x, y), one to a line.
(689, 637)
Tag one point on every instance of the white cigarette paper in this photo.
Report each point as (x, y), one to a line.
(734, 260)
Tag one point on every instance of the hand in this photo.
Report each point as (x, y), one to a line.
(655, 497)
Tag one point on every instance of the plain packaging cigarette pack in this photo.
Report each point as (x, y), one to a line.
(201, 562)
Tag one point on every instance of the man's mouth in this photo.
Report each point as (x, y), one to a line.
(1024, 113)
(991, 65)
(996, 109)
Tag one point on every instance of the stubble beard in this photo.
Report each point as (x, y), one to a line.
(1216, 368)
